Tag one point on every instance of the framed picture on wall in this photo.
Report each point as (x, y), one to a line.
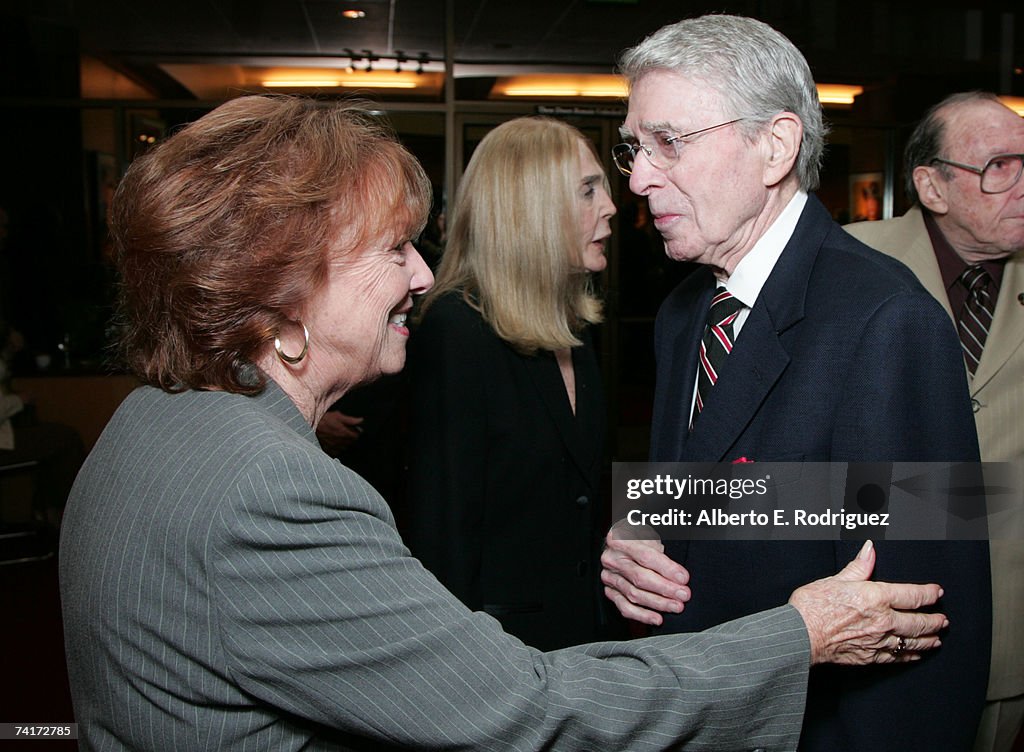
(866, 196)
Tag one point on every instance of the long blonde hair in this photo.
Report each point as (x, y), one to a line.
(512, 244)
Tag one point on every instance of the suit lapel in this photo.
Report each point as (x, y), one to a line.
(752, 369)
(677, 368)
(547, 378)
(759, 356)
(1007, 333)
(913, 246)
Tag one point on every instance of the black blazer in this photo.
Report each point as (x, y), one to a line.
(505, 504)
(844, 357)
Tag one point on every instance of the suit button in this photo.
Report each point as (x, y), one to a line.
(582, 501)
(581, 568)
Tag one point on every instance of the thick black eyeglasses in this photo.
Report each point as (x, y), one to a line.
(663, 154)
(998, 175)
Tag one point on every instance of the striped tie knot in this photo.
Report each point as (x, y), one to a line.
(975, 317)
(976, 279)
(723, 312)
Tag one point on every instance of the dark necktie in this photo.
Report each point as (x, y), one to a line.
(716, 344)
(976, 315)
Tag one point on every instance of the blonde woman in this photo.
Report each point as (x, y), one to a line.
(509, 414)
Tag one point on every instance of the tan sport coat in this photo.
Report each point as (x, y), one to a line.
(998, 391)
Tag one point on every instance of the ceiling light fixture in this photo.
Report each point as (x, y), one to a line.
(556, 92)
(380, 79)
(838, 93)
(1014, 103)
(299, 83)
(596, 86)
(379, 84)
(224, 81)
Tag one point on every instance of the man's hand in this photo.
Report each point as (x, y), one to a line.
(337, 431)
(854, 622)
(641, 580)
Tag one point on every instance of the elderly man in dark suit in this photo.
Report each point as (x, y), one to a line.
(226, 585)
(816, 348)
(963, 173)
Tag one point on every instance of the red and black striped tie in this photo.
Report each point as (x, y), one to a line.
(976, 315)
(716, 345)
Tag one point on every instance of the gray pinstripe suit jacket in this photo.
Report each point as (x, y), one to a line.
(227, 586)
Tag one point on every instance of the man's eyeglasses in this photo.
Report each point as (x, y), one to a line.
(998, 175)
(662, 154)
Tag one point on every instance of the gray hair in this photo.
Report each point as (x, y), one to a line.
(755, 69)
(927, 142)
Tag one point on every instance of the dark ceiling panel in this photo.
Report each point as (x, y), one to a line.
(864, 42)
(255, 28)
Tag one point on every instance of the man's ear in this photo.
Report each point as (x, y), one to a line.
(784, 134)
(931, 189)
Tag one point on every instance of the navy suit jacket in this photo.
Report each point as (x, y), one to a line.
(844, 357)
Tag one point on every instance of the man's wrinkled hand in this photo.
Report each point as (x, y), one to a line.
(640, 579)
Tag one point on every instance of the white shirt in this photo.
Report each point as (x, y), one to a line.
(756, 266)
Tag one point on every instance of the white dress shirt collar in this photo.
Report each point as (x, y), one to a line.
(754, 269)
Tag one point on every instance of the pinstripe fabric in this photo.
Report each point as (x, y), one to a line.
(227, 586)
(997, 390)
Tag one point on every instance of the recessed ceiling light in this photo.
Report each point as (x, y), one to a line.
(354, 14)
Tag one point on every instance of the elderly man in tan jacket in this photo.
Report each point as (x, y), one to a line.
(963, 239)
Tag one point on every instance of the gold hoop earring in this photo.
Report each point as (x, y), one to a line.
(293, 359)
